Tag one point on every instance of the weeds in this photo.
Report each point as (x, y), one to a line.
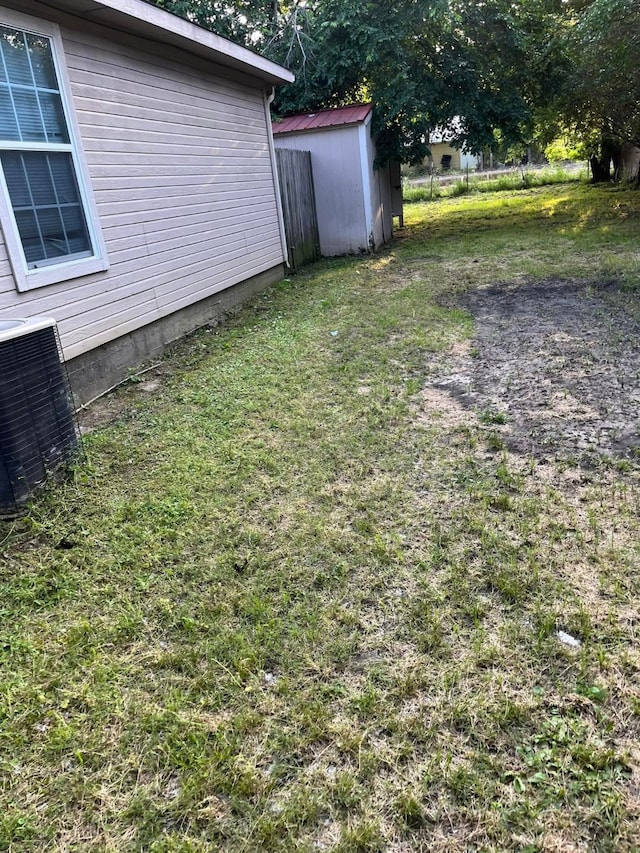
(429, 190)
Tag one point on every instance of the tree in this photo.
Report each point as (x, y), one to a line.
(246, 22)
(426, 63)
(600, 99)
(423, 63)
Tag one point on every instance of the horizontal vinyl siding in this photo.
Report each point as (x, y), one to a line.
(181, 172)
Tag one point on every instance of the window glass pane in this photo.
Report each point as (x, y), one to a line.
(42, 61)
(30, 236)
(46, 202)
(64, 178)
(39, 178)
(53, 233)
(14, 52)
(75, 228)
(31, 72)
(29, 118)
(16, 179)
(8, 126)
(42, 184)
(53, 115)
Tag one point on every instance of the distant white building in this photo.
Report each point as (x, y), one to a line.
(444, 155)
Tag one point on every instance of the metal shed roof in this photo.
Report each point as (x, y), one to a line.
(139, 17)
(323, 118)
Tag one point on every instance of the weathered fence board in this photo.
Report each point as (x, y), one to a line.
(298, 206)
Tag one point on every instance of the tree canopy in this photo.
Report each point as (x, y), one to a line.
(424, 63)
(475, 67)
(602, 92)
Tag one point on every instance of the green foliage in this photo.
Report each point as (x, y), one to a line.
(421, 62)
(565, 148)
(597, 105)
(533, 70)
(602, 92)
(247, 22)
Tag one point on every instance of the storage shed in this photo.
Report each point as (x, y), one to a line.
(355, 201)
(138, 188)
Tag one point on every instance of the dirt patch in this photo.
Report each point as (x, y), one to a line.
(554, 368)
(120, 402)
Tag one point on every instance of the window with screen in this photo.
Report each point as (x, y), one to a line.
(48, 221)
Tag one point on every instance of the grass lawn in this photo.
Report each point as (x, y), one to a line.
(279, 611)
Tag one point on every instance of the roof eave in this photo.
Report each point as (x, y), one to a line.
(316, 129)
(311, 126)
(141, 18)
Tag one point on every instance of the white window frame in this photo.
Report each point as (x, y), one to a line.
(53, 271)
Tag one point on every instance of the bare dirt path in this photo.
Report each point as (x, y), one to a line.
(554, 367)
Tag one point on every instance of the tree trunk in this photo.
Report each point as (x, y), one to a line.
(610, 152)
(273, 16)
(600, 170)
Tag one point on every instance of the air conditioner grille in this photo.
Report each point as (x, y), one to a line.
(38, 429)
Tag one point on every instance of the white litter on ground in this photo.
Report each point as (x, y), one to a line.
(568, 640)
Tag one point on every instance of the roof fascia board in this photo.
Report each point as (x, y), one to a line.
(318, 129)
(142, 19)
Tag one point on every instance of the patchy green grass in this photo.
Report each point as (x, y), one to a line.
(279, 611)
(522, 179)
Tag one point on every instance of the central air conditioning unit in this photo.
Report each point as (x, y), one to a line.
(38, 427)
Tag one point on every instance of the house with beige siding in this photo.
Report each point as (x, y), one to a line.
(138, 189)
(443, 157)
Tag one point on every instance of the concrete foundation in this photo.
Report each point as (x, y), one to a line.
(97, 371)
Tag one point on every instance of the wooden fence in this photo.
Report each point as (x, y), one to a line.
(298, 206)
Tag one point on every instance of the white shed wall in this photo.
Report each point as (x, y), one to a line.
(338, 185)
(180, 167)
(380, 192)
